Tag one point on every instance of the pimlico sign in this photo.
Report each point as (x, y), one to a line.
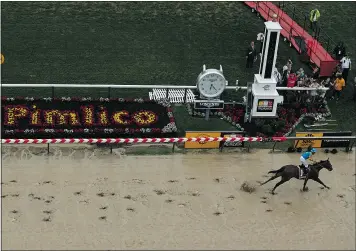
(26, 117)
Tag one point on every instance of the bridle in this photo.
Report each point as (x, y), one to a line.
(319, 164)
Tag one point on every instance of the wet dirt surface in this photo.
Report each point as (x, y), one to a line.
(88, 201)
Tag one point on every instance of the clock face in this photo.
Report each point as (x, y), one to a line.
(211, 85)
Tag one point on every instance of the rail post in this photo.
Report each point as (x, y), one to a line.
(174, 144)
(47, 149)
(52, 92)
(248, 147)
(110, 148)
(274, 145)
(349, 147)
(221, 148)
(109, 92)
(167, 93)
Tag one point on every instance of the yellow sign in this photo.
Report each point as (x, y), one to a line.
(197, 145)
(304, 143)
(2, 59)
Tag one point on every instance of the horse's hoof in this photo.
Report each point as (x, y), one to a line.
(328, 188)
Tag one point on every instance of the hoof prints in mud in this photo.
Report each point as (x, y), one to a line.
(191, 178)
(47, 219)
(195, 194)
(159, 192)
(173, 181)
(78, 193)
(231, 197)
(14, 211)
(104, 208)
(217, 213)
(105, 194)
(48, 182)
(48, 211)
(269, 210)
(13, 181)
(341, 195)
(287, 203)
(102, 218)
(130, 209)
(263, 201)
(169, 201)
(128, 197)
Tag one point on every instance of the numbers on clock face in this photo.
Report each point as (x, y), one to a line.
(212, 84)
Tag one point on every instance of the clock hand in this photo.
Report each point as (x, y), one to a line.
(213, 87)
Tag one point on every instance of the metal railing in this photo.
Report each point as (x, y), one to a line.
(302, 20)
(236, 88)
(352, 140)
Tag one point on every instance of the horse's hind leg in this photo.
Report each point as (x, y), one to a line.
(278, 184)
(272, 178)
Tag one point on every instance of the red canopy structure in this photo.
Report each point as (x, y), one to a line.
(297, 36)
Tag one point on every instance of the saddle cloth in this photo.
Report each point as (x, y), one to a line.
(301, 172)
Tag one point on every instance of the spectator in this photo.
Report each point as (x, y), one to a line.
(289, 65)
(285, 75)
(274, 17)
(339, 51)
(261, 37)
(316, 72)
(345, 66)
(314, 93)
(300, 73)
(292, 80)
(251, 55)
(314, 17)
(339, 84)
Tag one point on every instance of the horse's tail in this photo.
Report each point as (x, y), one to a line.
(277, 171)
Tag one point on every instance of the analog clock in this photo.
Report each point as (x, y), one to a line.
(211, 83)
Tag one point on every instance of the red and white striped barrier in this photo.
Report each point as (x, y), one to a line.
(130, 140)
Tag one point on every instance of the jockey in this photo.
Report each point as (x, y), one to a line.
(305, 156)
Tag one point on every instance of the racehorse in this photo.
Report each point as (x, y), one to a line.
(292, 171)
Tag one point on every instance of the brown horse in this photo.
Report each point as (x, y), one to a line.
(292, 171)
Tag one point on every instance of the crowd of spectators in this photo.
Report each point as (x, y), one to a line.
(291, 78)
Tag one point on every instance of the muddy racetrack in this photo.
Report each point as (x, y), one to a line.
(81, 199)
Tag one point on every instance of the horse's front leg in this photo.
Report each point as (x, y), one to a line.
(322, 183)
(305, 183)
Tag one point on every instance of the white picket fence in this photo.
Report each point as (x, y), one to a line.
(174, 95)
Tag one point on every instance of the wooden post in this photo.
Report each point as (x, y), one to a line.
(174, 144)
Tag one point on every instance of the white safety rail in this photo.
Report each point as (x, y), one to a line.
(174, 95)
